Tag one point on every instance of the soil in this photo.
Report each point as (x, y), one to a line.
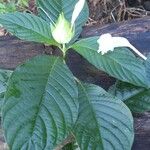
(109, 11)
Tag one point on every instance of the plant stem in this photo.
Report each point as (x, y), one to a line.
(70, 139)
(64, 50)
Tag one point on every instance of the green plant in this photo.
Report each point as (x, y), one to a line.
(7, 7)
(13, 5)
(44, 103)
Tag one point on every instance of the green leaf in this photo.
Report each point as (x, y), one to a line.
(104, 122)
(136, 98)
(147, 66)
(2, 8)
(27, 27)
(71, 146)
(11, 7)
(54, 8)
(4, 76)
(120, 63)
(40, 105)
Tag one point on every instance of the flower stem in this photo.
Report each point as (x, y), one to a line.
(137, 52)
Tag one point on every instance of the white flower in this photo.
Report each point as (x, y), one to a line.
(77, 9)
(105, 42)
(108, 43)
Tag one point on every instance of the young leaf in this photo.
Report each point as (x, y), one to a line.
(54, 8)
(120, 63)
(27, 27)
(40, 105)
(104, 122)
(136, 98)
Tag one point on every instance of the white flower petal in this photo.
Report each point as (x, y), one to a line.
(77, 9)
(105, 42)
(121, 42)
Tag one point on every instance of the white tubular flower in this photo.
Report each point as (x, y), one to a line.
(77, 9)
(108, 43)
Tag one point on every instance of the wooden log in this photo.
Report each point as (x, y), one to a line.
(13, 52)
(142, 131)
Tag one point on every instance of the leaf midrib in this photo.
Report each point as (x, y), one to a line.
(93, 51)
(113, 60)
(42, 98)
(92, 110)
(30, 29)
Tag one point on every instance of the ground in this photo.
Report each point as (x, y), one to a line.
(109, 11)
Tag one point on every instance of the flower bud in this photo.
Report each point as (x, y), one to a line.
(62, 31)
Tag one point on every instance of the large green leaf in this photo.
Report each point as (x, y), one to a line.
(40, 105)
(4, 76)
(136, 98)
(55, 7)
(120, 63)
(104, 122)
(27, 27)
